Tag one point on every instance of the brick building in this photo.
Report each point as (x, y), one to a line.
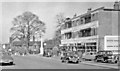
(87, 31)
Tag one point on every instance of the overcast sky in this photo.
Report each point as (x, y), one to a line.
(46, 12)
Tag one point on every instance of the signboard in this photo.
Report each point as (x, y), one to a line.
(112, 43)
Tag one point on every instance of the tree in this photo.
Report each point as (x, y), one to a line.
(60, 18)
(26, 25)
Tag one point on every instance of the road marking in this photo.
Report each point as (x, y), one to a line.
(108, 66)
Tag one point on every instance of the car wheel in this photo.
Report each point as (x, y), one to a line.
(104, 60)
(67, 61)
(95, 60)
(11, 63)
(77, 61)
(114, 61)
(62, 61)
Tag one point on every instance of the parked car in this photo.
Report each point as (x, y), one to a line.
(70, 57)
(48, 54)
(6, 58)
(106, 56)
(89, 56)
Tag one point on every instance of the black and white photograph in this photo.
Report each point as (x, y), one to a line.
(65, 34)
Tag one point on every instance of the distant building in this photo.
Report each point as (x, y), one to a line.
(87, 31)
(18, 44)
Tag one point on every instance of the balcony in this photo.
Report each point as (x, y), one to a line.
(93, 24)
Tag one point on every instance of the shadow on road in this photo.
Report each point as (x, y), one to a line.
(6, 64)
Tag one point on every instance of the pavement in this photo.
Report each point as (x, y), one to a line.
(40, 62)
(108, 65)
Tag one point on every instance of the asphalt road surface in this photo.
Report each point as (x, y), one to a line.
(39, 62)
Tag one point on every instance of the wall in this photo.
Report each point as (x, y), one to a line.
(119, 23)
(108, 25)
(114, 23)
(105, 23)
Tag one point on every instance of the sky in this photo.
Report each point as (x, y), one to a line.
(46, 11)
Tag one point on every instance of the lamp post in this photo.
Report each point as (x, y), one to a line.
(41, 48)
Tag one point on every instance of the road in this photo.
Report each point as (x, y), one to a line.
(39, 62)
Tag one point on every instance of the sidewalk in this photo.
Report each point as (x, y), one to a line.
(114, 66)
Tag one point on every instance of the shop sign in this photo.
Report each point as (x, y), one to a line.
(111, 42)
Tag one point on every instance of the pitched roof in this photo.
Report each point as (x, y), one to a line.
(20, 43)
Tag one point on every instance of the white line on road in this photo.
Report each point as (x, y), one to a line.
(108, 66)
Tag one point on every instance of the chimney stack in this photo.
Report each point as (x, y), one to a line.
(75, 15)
(117, 5)
(89, 10)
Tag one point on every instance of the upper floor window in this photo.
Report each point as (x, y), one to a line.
(94, 17)
(87, 18)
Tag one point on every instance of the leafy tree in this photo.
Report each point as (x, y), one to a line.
(26, 25)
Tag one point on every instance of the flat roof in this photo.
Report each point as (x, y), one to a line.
(101, 8)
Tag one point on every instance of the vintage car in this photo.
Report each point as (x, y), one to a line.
(106, 56)
(6, 58)
(70, 57)
(89, 56)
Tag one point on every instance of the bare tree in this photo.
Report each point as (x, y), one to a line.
(26, 25)
(60, 18)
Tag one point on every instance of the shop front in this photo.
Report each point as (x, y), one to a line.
(82, 44)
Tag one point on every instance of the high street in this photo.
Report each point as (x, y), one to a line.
(39, 62)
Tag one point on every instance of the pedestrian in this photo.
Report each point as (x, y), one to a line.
(80, 53)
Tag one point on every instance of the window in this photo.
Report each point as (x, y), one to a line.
(93, 31)
(77, 22)
(79, 34)
(82, 21)
(68, 35)
(94, 17)
(87, 18)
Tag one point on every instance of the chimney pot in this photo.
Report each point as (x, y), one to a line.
(89, 10)
(116, 5)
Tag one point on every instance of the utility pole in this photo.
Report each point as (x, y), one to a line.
(41, 48)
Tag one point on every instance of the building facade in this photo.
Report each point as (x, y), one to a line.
(86, 32)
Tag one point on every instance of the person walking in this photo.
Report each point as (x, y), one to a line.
(80, 53)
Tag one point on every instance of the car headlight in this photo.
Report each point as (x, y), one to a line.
(112, 57)
(1, 60)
